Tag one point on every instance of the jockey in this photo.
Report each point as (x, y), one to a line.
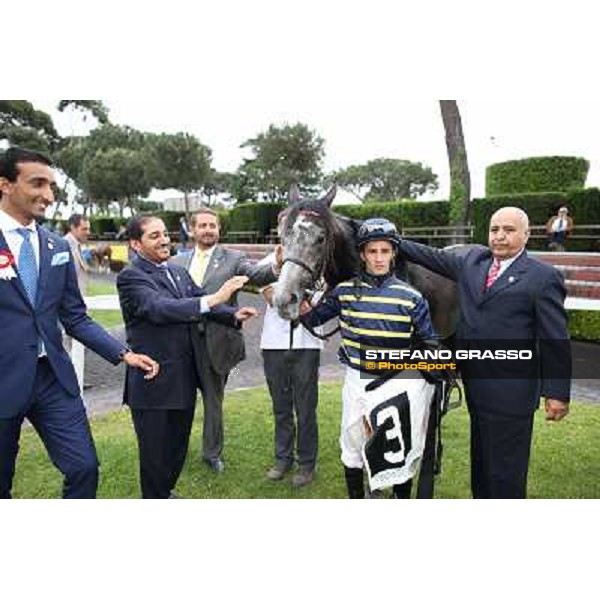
(377, 311)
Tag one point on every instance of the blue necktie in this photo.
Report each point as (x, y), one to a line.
(27, 266)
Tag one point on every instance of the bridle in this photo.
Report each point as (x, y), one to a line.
(316, 283)
(314, 274)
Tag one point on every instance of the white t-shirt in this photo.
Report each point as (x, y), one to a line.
(276, 330)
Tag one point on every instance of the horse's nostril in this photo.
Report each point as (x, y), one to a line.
(293, 298)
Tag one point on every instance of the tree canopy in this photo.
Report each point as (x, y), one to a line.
(282, 155)
(386, 179)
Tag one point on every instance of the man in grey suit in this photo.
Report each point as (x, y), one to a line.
(210, 265)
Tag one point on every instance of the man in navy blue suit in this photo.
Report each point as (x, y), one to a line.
(161, 307)
(38, 288)
(506, 298)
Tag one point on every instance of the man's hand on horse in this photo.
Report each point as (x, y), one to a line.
(143, 362)
(227, 290)
(556, 409)
(245, 313)
(305, 307)
(278, 259)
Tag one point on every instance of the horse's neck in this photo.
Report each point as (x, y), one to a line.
(345, 255)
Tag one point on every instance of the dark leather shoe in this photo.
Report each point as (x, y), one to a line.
(216, 464)
(303, 477)
(278, 471)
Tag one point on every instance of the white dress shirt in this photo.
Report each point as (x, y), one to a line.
(504, 264)
(14, 239)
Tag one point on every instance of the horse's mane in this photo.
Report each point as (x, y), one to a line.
(341, 258)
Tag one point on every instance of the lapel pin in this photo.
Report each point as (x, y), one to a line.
(511, 279)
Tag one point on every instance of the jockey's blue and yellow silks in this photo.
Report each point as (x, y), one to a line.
(374, 313)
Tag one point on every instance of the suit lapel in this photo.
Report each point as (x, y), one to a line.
(511, 276)
(479, 281)
(46, 252)
(158, 275)
(17, 281)
(213, 264)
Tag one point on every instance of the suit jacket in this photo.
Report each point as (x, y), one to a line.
(524, 307)
(21, 325)
(80, 266)
(551, 220)
(226, 345)
(160, 320)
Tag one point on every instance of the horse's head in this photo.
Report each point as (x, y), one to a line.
(307, 240)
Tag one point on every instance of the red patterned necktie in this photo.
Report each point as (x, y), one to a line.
(492, 274)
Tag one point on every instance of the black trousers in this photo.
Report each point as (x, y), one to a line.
(500, 450)
(163, 437)
(293, 379)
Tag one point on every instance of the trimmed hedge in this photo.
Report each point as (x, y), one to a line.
(540, 174)
(102, 225)
(255, 216)
(403, 213)
(584, 207)
(584, 325)
(170, 218)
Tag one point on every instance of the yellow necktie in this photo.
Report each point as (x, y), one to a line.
(199, 267)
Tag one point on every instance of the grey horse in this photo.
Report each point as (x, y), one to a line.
(319, 244)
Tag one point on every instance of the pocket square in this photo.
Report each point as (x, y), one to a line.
(60, 258)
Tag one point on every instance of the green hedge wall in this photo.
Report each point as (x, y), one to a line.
(255, 216)
(584, 324)
(102, 225)
(541, 174)
(584, 207)
(403, 214)
(170, 218)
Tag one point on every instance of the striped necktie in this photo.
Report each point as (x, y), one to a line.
(28, 269)
(492, 274)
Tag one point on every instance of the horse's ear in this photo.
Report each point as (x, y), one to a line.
(330, 195)
(293, 194)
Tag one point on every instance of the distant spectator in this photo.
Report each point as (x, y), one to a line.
(558, 228)
(184, 232)
(120, 236)
(79, 232)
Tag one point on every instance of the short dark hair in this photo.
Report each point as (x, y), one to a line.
(135, 227)
(15, 155)
(75, 220)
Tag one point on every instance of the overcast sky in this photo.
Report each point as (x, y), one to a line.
(356, 130)
(365, 76)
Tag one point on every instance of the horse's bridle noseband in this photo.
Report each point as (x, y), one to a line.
(315, 276)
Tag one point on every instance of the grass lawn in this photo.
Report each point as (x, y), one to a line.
(107, 318)
(101, 288)
(565, 461)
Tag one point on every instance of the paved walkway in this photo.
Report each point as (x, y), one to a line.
(106, 382)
